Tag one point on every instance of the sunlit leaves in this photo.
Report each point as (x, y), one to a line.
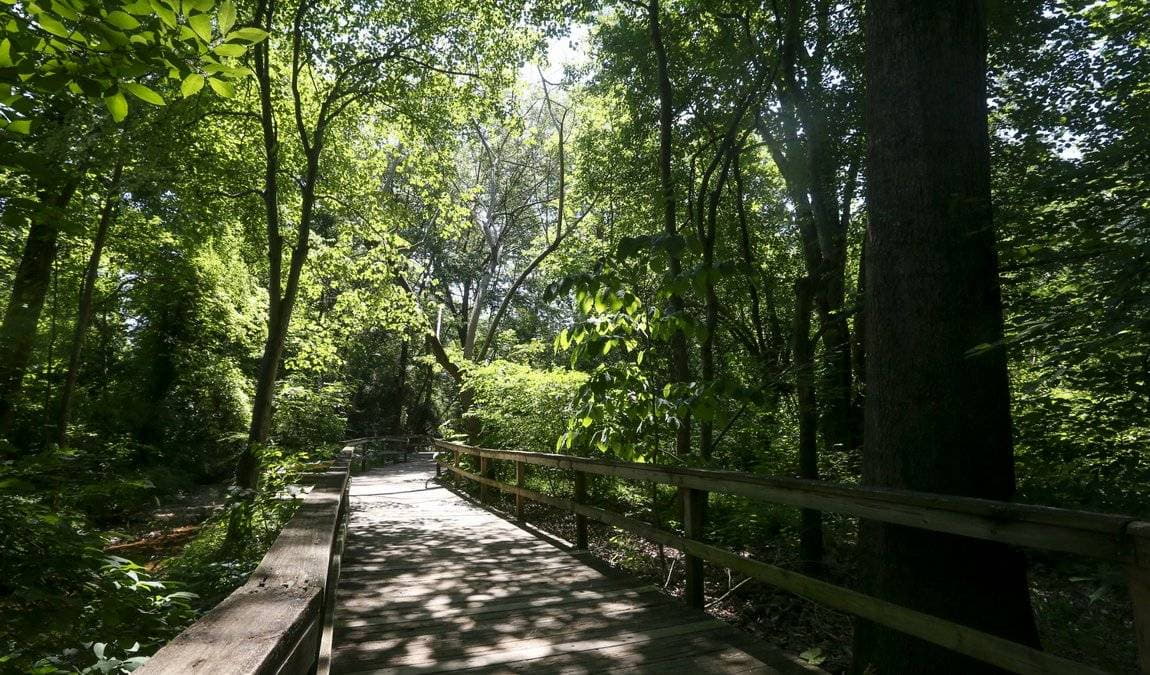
(222, 87)
(122, 20)
(249, 34)
(232, 50)
(226, 16)
(117, 105)
(63, 48)
(191, 85)
(201, 24)
(143, 93)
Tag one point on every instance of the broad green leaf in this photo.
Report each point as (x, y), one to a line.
(122, 20)
(51, 25)
(5, 53)
(226, 16)
(65, 11)
(202, 25)
(118, 106)
(143, 93)
(192, 84)
(20, 126)
(222, 87)
(139, 8)
(229, 50)
(249, 34)
(166, 15)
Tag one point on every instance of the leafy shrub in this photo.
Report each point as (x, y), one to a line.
(522, 408)
(309, 417)
(203, 417)
(65, 606)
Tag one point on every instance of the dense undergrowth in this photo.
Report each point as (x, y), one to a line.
(67, 605)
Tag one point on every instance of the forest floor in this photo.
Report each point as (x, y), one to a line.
(1082, 607)
(150, 537)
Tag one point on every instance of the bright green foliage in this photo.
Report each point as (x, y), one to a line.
(67, 606)
(450, 199)
(520, 407)
(52, 51)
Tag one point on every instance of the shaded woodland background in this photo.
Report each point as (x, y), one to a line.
(237, 234)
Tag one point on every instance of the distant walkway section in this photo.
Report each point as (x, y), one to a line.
(433, 583)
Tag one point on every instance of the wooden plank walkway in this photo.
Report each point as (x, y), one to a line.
(434, 583)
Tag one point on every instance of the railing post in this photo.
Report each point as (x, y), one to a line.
(580, 520)
(694, 515)
(484, 493)
(520, 471)
(490, 473)
(1138, 581)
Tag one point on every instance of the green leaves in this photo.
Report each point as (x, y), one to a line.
(201, 25)
(117, 105)
(249, 34)
(222, 87)
(50, 24)
(229, 50)
(227, 16)
(143, 93)
(122, 20)
(191, 85)
(166, 15)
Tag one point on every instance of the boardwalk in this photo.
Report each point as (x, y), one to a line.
(433, 583)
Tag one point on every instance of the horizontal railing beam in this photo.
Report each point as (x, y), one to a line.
(1096, 535)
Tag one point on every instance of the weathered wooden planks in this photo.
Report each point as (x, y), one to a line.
(433, 583)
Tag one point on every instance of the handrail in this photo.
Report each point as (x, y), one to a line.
(386, 439)
(276, 622)
(1117, 538)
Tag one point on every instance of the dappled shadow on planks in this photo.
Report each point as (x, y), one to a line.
(433, 583)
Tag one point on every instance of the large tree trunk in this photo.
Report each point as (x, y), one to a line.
(29, 288)
(938, 404)
(680, 364)
(84, 312)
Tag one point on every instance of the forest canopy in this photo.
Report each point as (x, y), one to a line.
(234, 233)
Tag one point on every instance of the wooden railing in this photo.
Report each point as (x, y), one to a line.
(405, 446)
(280, 621)
(1115, 538)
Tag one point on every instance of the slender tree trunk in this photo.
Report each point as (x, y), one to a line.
(84, 312)
(400, 389)
(29, 288)
(680, 364)
(480, 299)
(279, 322)
(811, 528)
(707, 350)
(938, 404)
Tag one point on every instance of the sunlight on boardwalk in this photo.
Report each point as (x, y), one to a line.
(433, 583)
